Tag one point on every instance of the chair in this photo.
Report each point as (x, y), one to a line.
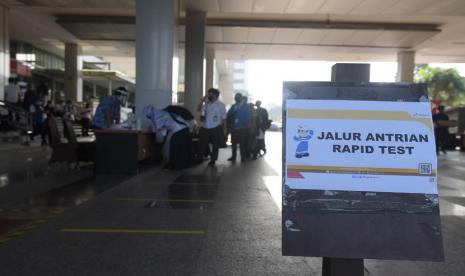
(62, 152)
(85, 150)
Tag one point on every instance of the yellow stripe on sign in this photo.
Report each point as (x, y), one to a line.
(357, 115)
(133, 231)
(358, 170)
(166, 200)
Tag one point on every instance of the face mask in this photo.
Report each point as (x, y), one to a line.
(211, 98)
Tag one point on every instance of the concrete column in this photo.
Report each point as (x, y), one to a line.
(225, 84)
(4, 50)
(209, 69)
(405, 66)
(195, 52)
(73, 73)
(155, 26)
(94, 90)
(110, 87)
(54, 90)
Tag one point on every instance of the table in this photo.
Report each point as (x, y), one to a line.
(120, 151)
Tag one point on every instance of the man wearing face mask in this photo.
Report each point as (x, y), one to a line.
(239, 116)
(108, 110)
(213, 125)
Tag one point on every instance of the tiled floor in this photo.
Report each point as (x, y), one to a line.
(201, 221)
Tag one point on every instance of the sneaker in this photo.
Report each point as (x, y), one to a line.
(232, 159)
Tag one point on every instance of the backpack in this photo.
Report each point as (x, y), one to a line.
(268, 124)
(180, 111)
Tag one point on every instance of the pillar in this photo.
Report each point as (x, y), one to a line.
(73, 73)
(209, 68)
(110, 87)
(155, 27)
(195, 52)
(54, 90)
(405, 66)
(4, 50)
(94, 90)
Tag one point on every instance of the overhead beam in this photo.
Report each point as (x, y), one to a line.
(266, 23)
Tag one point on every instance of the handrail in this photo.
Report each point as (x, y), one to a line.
(24, 124)
(11, 107)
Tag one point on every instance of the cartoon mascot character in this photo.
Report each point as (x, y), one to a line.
(303, 136)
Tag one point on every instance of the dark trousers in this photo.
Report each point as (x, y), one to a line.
(239, 137)
(39, 129)
(213, 136)
(260, 146)
(85, 123)
(180, 150)
(251, 142)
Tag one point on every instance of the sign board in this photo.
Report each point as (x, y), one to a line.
(360, 146)
(360, 172)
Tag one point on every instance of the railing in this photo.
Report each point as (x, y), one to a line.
(14, 118)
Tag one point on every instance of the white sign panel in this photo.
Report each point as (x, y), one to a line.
(360, 146)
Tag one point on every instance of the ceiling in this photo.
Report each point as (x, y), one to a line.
(342, 30)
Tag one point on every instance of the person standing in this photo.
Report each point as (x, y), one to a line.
(252, 132)
(86, 117)
(12, 92)
(263, 124)
(38, 118)
(12, 96)
(69, 111)
(43, 92)
(30, 97)
(109, 109)
(238, 119)
(213, 125)
(441, 129)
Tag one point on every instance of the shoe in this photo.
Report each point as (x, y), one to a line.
(306, 154)
(298, 156)
(211, 163)
(232, 159)
(444, 151)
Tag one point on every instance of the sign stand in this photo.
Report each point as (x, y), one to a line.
(360, 172)
(346, 267)
(339, 266)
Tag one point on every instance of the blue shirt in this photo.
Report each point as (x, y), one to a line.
(239, 116)
(109, 104)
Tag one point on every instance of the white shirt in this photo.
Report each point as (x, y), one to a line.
(215, 113)
(164, 124)
(12, 92)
